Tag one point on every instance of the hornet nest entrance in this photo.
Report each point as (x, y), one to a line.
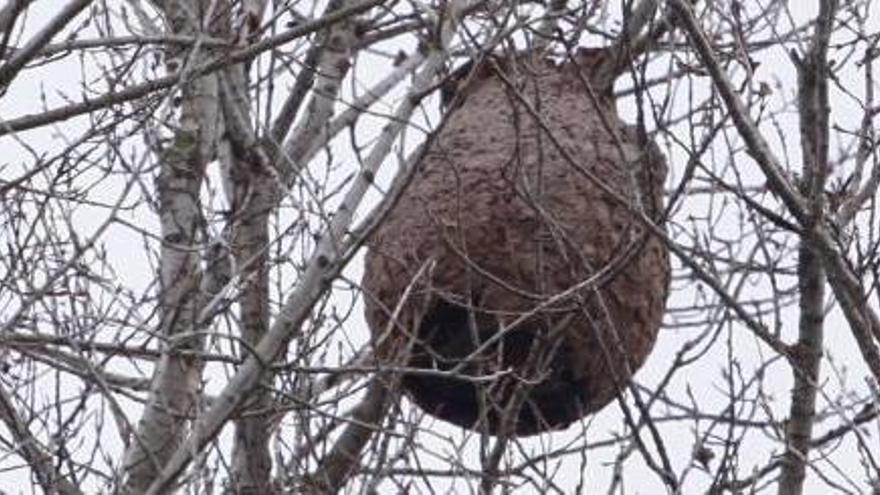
(546, 291)
(454, 338)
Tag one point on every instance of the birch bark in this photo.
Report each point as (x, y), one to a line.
(175, 388)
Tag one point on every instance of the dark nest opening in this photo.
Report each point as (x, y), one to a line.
(536, 389)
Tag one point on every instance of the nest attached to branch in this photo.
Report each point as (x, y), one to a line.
(540, 291)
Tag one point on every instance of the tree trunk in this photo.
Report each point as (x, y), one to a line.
(174, 392)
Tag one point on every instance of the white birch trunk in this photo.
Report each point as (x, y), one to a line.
(174, 392)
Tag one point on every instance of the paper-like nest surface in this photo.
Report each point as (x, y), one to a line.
(513, 235)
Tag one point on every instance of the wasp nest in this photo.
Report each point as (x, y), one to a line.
(524, 288)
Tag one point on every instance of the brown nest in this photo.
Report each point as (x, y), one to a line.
(513, 234)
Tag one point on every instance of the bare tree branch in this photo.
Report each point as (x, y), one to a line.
(11, 68)
(324, 265)
(862, 319)
(32, 451)
(141, 90)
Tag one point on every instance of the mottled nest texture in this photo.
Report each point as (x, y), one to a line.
(523, 292)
